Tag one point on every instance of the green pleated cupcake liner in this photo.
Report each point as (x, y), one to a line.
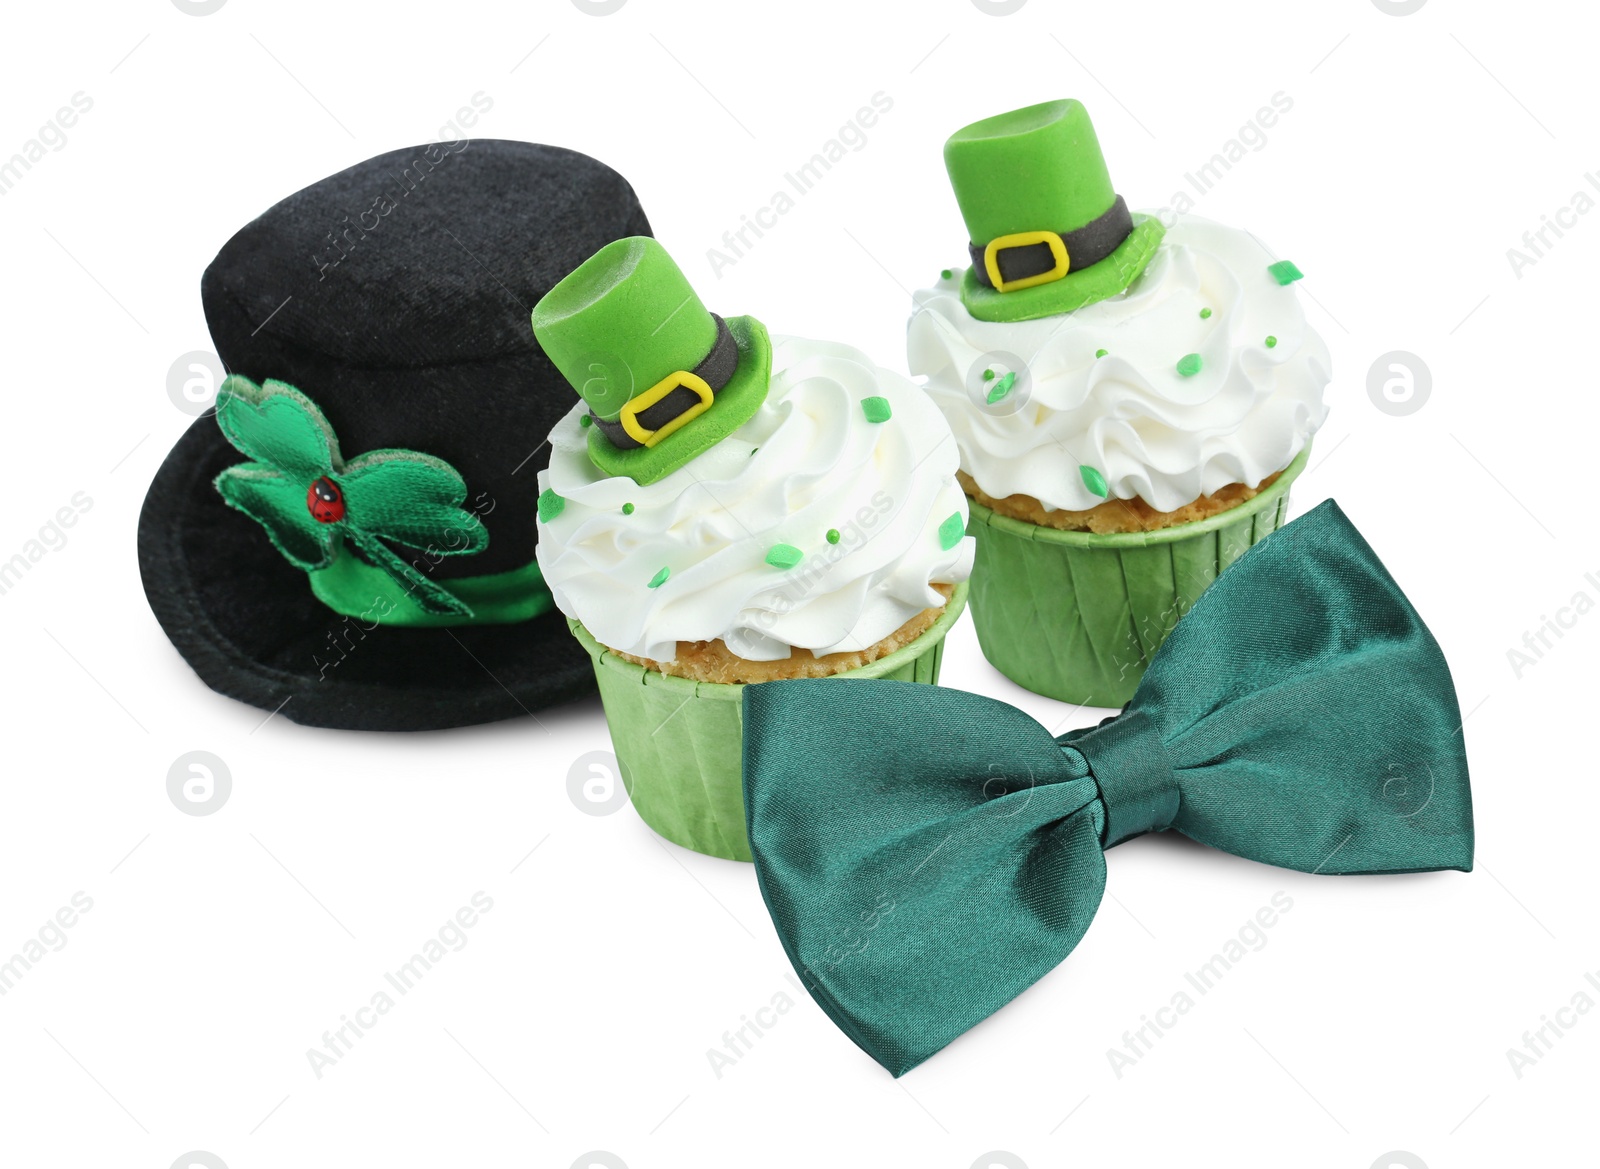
(1077, 616)
(680, 743)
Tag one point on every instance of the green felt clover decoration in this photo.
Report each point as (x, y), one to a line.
(309, 498)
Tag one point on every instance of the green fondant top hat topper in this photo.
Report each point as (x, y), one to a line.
(1049, 234)
(664, 378)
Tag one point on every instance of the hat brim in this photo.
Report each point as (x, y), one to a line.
(735, 404)
(1073, 291)
(247, 622)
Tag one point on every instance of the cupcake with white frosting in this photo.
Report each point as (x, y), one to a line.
(1131, 402)
(725, 508)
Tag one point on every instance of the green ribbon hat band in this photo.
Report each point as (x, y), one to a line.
(928, 854)
(357, 589)
(339, 520)
(1048, 232)
(664, 378)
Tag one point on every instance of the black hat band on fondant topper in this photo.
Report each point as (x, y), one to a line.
(1024, 259)
(676, 400)
(351, 540)
(627, 318)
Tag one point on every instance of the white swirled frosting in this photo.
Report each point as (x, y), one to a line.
(1150, 431)
(807, 462)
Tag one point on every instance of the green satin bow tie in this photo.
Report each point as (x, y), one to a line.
(928, 854)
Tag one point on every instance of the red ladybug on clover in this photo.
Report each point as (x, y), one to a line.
(325, 501)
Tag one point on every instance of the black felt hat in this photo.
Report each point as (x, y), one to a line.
(349, 537)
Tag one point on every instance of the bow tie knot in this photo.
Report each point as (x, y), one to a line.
(1134, 773)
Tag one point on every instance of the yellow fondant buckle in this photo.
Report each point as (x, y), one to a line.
(1023, 239)
(642, 402)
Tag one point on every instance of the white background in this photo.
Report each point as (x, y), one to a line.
(219, 948)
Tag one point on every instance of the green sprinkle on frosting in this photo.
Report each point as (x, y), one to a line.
(951, 531)
(784, 556)
(1284, 272)
(1189, 364)
(1002, 388)
(586, 421)
(659, 579)
(1272, 342)
(1205, 313)
(945, 274)
(876, 409)
(988, 375)
(1100, 352)
(1094, 481)
(833, 535)
(627, 509)
(550, 505)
